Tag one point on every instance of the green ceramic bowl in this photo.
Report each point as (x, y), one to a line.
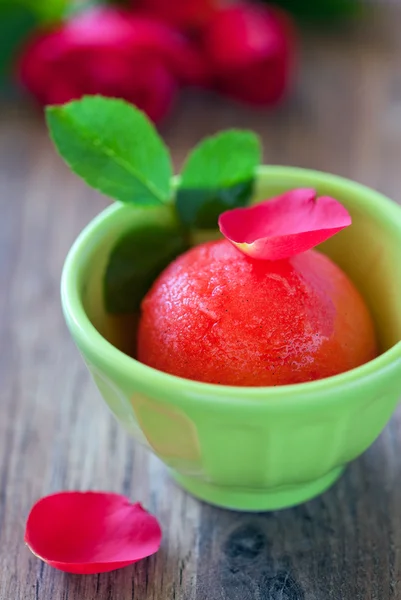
(252, 448)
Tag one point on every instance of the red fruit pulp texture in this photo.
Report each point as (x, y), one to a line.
(217, 316)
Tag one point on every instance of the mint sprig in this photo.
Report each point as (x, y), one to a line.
(138, 257)
(217, 176)
(116, 149)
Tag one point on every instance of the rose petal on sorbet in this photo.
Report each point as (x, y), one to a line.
(284, 226)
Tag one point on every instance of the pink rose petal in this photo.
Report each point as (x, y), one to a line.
(90, 532)
(284, 226)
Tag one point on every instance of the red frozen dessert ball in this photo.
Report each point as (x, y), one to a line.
(217, 316)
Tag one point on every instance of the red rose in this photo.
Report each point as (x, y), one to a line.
(251, 51)
(113, 53)
(181, 13)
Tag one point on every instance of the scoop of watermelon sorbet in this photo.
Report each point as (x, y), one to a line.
(217, 315)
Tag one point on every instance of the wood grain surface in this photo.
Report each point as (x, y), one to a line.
(344, 116)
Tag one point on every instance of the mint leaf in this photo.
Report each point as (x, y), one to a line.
(114, 147)
(138, 257)
(202, 208)
(218, 175)
(222, 160)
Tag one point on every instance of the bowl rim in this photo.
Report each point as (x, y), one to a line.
(88, 337)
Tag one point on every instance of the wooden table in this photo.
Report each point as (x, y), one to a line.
(344, 116)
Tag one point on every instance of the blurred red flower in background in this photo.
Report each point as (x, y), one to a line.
(251, 50)
(244, 50)
(113, 53)
(181, 13)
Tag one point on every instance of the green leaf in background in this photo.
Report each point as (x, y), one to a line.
(48, 11)
(114, 147)
(74, 7)
(135, 262)
(218, 175)
(321, 10)
(16, 22)
(18, 18)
